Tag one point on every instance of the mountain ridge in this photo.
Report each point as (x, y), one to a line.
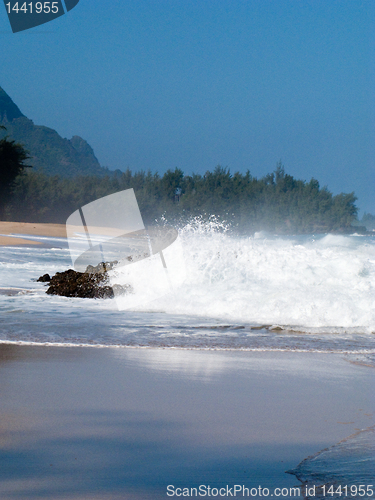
(49, 152)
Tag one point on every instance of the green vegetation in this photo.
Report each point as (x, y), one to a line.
(12, 157)
(277, 202)
(67, 175)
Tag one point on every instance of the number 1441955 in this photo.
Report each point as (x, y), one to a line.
(30, 7)
(353, 490)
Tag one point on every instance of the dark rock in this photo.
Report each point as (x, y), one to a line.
(92, 284)
(45, 278)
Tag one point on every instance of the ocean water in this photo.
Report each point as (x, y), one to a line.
(351, 463)
(312, 293)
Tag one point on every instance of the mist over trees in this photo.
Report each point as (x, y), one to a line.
(368, 220)
(277, 202)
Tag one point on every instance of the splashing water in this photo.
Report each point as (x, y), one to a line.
(256, 292)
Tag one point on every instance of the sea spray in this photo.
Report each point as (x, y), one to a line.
(259, 292)
(325, 281)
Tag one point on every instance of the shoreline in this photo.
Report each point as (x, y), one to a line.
(122, 423)
(187, 348)
(125, 421)
(8, 228)
(27, 228)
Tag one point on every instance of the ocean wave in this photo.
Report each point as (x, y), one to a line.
(256, 292)
(351, 462)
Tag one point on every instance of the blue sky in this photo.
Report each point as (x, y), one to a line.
(193, 84)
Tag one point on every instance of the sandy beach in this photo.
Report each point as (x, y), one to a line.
(127, 423)
(88, 423)
(24, 228)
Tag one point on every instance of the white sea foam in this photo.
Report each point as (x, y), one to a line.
(259, 293)
(311, 282)
(309, 293)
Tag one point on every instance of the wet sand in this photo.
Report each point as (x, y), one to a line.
(105, 423)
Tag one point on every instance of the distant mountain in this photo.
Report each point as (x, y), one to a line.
(49, 151)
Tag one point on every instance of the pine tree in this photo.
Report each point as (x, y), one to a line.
(12, 158)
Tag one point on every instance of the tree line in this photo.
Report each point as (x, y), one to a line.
(277, 202)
